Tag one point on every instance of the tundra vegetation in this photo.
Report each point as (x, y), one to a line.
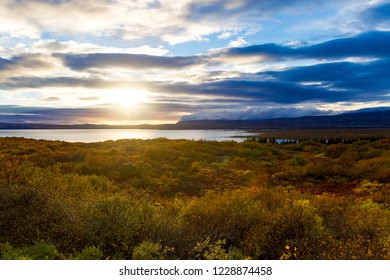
(179, 199)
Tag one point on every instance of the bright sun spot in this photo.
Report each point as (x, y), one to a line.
(127, 98)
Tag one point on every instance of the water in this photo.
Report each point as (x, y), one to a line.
(97, 135)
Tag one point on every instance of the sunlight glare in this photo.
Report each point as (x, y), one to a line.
(127, 98)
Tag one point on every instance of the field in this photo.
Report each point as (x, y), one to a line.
(178, 199)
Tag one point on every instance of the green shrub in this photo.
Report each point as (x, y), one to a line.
(207, 250)
(90, 253)
(148, 250)
(7, 252)
(41, 251)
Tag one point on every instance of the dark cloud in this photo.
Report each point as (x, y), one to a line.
(36, 82)
(135, 61)
(259, 91)
(318, 72)
(267, 50)
(21, 114)
(377, 14)
(31, 61)
(14, 61)
(4, 63)
(326, 82)
(371, 44)
(368, 77)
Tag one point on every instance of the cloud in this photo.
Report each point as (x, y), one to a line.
(261, 91)
(171, 21)
(52, 98)
(366, 78)
(377, 15)
(325, 82)
(200, 10)
(4, 63)
(370, 44)
(23, 114)
(89, 98)
(27, 61)
(114, 47)
(92, 114)
(27, 65)
(58, 14)
(135, 61)
(130, 20)
(237, 43)
(47, 47)
(62, 82)
(225, 35)
(53, 46)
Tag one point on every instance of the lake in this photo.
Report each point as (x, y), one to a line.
(97, 135)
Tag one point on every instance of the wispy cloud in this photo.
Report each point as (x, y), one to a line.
(170, 20)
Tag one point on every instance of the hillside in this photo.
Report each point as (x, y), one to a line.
(378, 119)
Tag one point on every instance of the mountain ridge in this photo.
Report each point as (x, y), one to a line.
(372, 119)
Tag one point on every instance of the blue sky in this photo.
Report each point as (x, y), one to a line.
(150, 61)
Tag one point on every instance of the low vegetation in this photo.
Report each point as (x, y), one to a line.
(178, 199)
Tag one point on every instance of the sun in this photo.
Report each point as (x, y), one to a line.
(126, 106)
(127, 98)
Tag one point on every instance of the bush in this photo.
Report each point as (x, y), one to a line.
(115, 223)
(148, 250)
(207, 250)
(41, 251)
(7, 252)
(90, 253)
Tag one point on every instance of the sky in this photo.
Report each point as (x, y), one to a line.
(151, 62)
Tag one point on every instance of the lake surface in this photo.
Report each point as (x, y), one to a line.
(97, 135)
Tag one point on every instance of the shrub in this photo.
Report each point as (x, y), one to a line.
(207, 250)
(41, 251)
(148, 250)
(7, 252)
(90, 253)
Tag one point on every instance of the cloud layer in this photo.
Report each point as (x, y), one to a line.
(87, 61)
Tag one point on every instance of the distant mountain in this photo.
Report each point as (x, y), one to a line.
(367, 110)
(374, 119)
(82, 126)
